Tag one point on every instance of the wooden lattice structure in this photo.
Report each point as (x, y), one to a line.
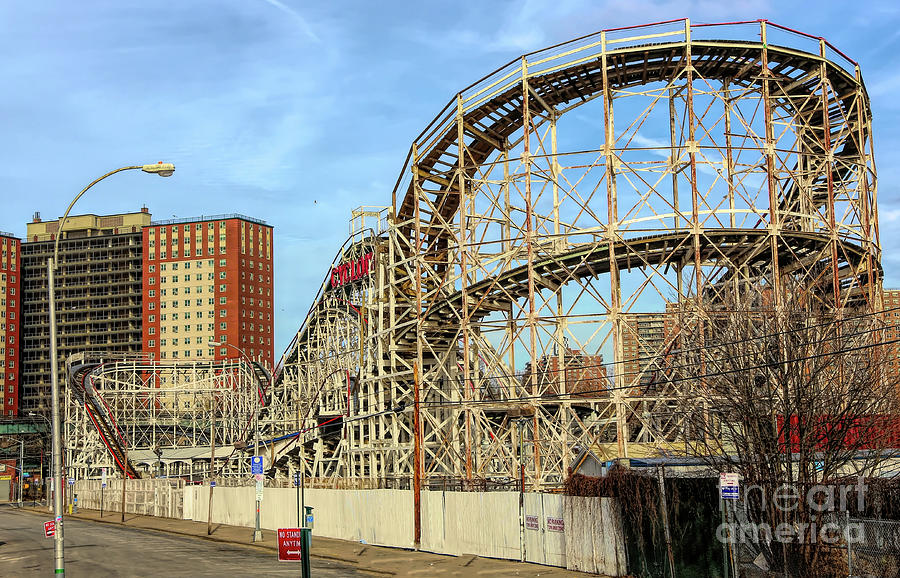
(627, 171)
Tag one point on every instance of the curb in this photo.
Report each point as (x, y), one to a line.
(210, 538)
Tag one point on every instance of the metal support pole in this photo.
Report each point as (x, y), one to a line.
(257, 533)
(664, 508)
(124, 470)
(21, 469)
(58, 545)
(520, 425)
(417, 462)
(212, 465)
(304, 547)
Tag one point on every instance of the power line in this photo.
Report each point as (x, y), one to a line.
(672, 380)
(679, 352)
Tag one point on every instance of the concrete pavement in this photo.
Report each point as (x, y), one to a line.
(99, 550)
(366, 559)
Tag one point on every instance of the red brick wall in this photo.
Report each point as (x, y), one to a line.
(10, 259)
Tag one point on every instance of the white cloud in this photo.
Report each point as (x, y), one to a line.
(301, 21)
(889, 216)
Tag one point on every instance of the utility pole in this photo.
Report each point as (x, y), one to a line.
(124, 472)
(21, 469)
(212, 464)
(257, 533)
(58, 544)
(417, 462)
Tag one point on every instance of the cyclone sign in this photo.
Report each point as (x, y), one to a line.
(352, 270)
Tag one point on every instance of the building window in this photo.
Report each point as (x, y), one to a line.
(223, 325)
(223, 300)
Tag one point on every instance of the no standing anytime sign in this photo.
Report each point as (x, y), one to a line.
(289, 545)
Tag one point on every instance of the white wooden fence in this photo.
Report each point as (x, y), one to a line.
(552, 529)
(151, 497)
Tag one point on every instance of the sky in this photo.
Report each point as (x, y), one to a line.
(298, 112)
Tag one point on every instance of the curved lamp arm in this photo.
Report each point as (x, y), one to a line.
(162, 169)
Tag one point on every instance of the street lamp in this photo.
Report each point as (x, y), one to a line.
(257, 533)
(163, 170)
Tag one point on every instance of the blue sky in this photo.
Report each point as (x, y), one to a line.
(297, 112)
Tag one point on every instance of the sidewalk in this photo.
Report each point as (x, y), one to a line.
(377, 560)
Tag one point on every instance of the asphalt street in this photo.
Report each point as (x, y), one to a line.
(96, 549)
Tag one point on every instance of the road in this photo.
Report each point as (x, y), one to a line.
(96, 549)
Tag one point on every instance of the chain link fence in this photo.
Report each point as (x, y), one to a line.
(874, 548)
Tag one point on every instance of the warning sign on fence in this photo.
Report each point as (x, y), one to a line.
(555, 524)
(531, 523)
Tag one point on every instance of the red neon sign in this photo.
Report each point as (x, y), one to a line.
(352, 270)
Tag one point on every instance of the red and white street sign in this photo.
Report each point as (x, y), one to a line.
(49, 529)
(289, 545)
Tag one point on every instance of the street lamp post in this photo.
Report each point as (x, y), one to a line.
(163, 170)
(257, 533)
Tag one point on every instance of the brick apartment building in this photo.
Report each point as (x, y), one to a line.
(10, 323)
(583, 374)
(208, 279)
(125, 284)
(98, 294)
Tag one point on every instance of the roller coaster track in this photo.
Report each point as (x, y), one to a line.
(78, 372)
(496, 235)
(491, 116)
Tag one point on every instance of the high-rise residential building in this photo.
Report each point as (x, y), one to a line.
(208, 279)
(644, 346)
(98, 294)
(10, 323)
(582, 374)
